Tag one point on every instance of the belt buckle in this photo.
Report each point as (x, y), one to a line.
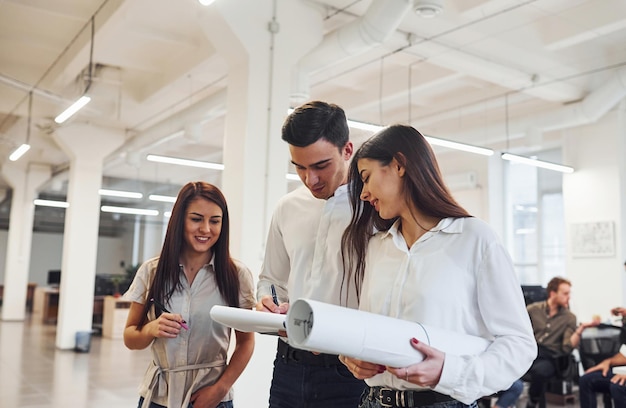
(387, 397)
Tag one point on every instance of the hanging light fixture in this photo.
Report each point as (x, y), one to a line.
(537, 163)
(21, 150)
(84, 99)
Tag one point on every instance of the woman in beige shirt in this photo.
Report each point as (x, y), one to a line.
(172, 296)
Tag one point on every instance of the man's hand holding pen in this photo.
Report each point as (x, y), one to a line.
(270, 303)
(267, 305)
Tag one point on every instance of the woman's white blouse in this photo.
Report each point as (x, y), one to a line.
(459, 277)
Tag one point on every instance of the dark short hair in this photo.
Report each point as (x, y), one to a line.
(316, 120)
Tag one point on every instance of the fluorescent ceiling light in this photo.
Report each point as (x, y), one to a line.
(432, 140)
(50, 203)
(162, 198)
(184, 162)
(459, 146)
(75, 107)
(128, 210)
(19, 152)
(167, 214)
(537, 163)
(291, 176)
(119, 193)
(206, 2)
(364, 126)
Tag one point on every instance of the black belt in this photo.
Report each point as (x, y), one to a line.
(288, 353)
(389, 397)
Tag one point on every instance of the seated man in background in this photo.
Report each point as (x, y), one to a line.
(602, 378)
(556, 333)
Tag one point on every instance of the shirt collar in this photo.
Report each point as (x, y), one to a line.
(447, 225)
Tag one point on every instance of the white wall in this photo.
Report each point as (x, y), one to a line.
(474, 200)
(592, 194)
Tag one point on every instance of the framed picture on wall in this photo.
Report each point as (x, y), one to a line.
(593, 239)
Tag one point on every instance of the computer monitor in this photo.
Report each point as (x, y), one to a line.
(54, 277)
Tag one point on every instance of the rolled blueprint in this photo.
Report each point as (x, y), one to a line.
(326, 328)
(248, 320)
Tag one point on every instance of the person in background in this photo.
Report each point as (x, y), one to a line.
(509, 397)
(556, 333)
(430, 262)
(303, 255)
(602, 378)
(172, 296)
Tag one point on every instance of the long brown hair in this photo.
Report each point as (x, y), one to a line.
(167, 277)
(423, 185)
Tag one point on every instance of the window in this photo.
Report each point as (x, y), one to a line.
(535, 216)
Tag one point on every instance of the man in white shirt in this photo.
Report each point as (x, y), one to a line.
(303, 255)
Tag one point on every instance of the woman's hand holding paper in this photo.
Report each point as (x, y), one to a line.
(427, 372)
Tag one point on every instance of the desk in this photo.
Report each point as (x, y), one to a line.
(114, 317)
(30, 294)
(46, 304)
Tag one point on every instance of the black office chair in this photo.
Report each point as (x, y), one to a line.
(597, 344)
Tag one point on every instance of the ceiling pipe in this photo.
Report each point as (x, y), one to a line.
(208, 108)
(373, 28)
(30, 88)
(589, 110)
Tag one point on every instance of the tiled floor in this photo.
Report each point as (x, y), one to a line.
(34, 374)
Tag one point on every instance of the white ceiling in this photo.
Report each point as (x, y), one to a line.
(493, 73)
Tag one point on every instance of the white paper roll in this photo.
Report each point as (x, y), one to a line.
(248, 320)
(326, 328)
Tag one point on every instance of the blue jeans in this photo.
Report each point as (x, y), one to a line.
(594, 382)
(366, 402)
(224, 404)
(299, 385)
(507, 398)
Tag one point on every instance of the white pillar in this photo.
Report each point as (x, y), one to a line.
(25, 182)
(262, 46)
(620, 231)
(497, 198)
(87, 146)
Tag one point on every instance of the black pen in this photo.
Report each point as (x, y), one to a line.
(183, 324)
(274, 297)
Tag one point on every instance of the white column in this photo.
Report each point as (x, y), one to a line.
(87, 146)
(620, 229)
(497, 198)
(262, 46)
(25, 182)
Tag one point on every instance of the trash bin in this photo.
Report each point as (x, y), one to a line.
(83, 341)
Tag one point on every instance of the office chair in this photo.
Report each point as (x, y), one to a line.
(597, 344)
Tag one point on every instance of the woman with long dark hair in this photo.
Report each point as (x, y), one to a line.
(415, 254)
(172, 296)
